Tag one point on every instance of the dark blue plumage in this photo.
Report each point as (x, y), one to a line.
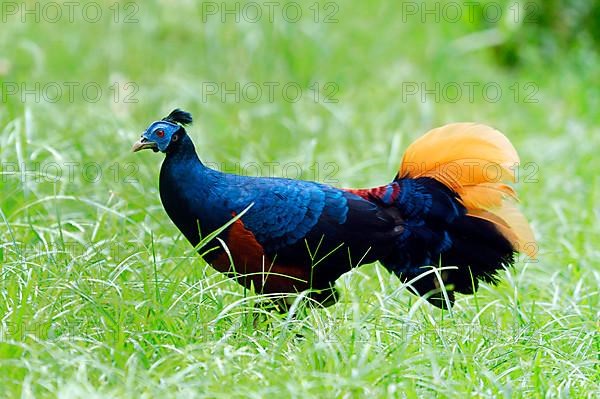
(299, 235)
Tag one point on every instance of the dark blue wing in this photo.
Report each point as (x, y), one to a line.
(284, 210)
(289, 215)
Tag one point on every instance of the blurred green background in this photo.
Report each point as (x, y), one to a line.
(101, 295)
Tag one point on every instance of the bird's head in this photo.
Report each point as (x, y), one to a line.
(160, 135)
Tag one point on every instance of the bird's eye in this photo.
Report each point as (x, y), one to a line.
(160, 133)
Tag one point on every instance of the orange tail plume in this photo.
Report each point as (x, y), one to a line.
(476, 162)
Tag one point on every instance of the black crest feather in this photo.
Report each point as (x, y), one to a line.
(179, 116)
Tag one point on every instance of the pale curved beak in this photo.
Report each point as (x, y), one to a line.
(142, 144)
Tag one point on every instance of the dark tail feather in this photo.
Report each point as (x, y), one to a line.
(455, 158)
(478, 252)
(440, 233)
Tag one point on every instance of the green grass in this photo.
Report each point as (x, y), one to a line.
(100, 296)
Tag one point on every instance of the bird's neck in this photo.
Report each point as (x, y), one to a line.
(185, 184)
(182, 151)
(182, 168)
